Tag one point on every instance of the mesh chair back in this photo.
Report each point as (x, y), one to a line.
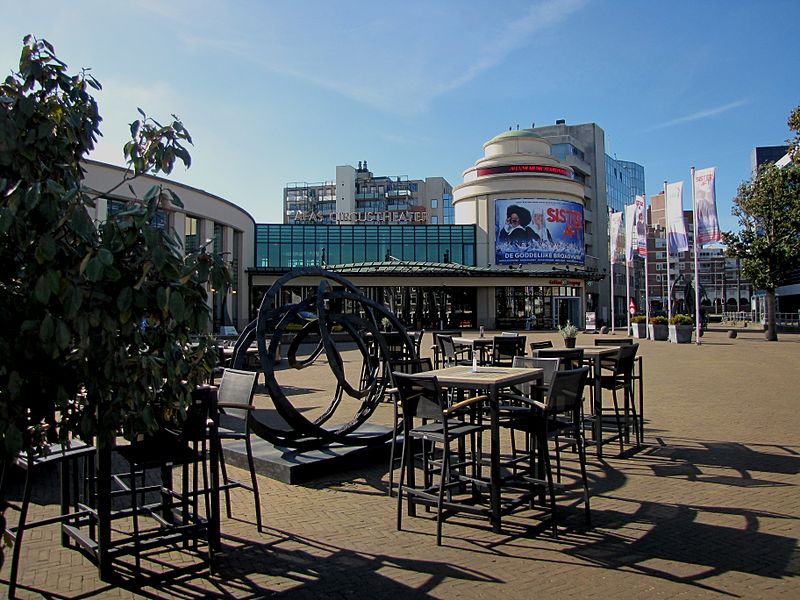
(539, 345)
(417, 339)
(613, 341)
(571, 358)
(566, 390)
(447, 347)
(626, 357)
(411, 365)
(237, 387)
(422, 398)
(549, 365)
(506, 347)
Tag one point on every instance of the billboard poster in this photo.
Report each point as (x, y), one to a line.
(538, 230)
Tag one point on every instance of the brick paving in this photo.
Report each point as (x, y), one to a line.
(708, 508)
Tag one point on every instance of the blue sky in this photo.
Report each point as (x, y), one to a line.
(275, 92)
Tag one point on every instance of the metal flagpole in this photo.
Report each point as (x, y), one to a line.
(696, 268)
(612, 299)
(612, 251)
(669, 278)
(646, 274)
(628, 255)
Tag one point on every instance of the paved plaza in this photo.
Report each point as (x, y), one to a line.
(708, 508)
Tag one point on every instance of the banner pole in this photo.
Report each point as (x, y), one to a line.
(646, 274)
(669, 277)
(696, 268)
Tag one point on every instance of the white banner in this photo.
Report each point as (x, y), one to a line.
(706, 227)
(641, 226)
(616, 231)
(676, 228)
(630, 232)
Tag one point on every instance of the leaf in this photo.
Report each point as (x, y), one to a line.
(175, 199)
(46, 329)
(125, 299)
(42, 290)
(46, 248)
(105, 257)
(177, 307)
(162, 298)
(62, 335)
(72, 303)
(94, 270)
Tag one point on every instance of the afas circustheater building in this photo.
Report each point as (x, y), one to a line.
(517, 244)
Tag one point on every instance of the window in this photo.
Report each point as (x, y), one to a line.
(190, 241)
(434, 220)
(434, 203)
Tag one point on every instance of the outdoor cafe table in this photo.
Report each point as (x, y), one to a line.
(594, 355)
(480, 344)
(489, 380)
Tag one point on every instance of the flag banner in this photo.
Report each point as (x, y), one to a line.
(630, 232)
(641, 227)
(676, 228)
(706, 227)
(615, 244)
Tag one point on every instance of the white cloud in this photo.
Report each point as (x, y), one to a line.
(398, 61)
(703, 114)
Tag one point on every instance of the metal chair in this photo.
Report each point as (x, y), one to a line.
(235, 402)
(571, 358)
(506, 347)
(416, 365)
(534, 346)
(558, 413)
(436, 348)
(424, 398)
(450, 354)
(620, 378)
(70, 511)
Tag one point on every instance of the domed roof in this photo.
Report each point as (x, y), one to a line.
(515, 133)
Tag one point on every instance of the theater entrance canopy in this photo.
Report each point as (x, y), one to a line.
(448, 295)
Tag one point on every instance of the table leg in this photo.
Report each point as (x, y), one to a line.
(598, 404)
(494, 448)
(104, 513)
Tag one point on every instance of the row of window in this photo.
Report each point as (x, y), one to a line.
(291, 246)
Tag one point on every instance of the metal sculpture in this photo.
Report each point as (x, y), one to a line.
(361, 326)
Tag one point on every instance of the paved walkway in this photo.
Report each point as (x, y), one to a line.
(708, 508)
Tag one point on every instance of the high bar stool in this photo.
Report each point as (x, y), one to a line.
(32, 465)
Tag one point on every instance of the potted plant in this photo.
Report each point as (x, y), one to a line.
(568, 331)
(386, 323)
(659, 328)
(680, 329)
(639, 327)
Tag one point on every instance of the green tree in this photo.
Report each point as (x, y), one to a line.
(95, 318)
(768, 243)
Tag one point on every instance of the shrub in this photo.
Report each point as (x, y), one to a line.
(681, 320)
(639, 319)
(568, 330)
(659, 321)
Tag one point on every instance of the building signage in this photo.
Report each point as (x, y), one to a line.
(535, 169)
(377, 216)
(568, 282)
(538, 230)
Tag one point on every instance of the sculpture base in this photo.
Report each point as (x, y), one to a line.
(297, 466)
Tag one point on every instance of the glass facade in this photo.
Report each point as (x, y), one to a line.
(160, 219)
(535, 307)
(562, 151)
(292, 246)
(624, 181)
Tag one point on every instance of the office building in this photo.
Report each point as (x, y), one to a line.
(359, 196)
(610, 184)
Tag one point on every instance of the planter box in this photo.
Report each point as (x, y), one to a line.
(658, 332)
(639, 330)
(680, 334)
